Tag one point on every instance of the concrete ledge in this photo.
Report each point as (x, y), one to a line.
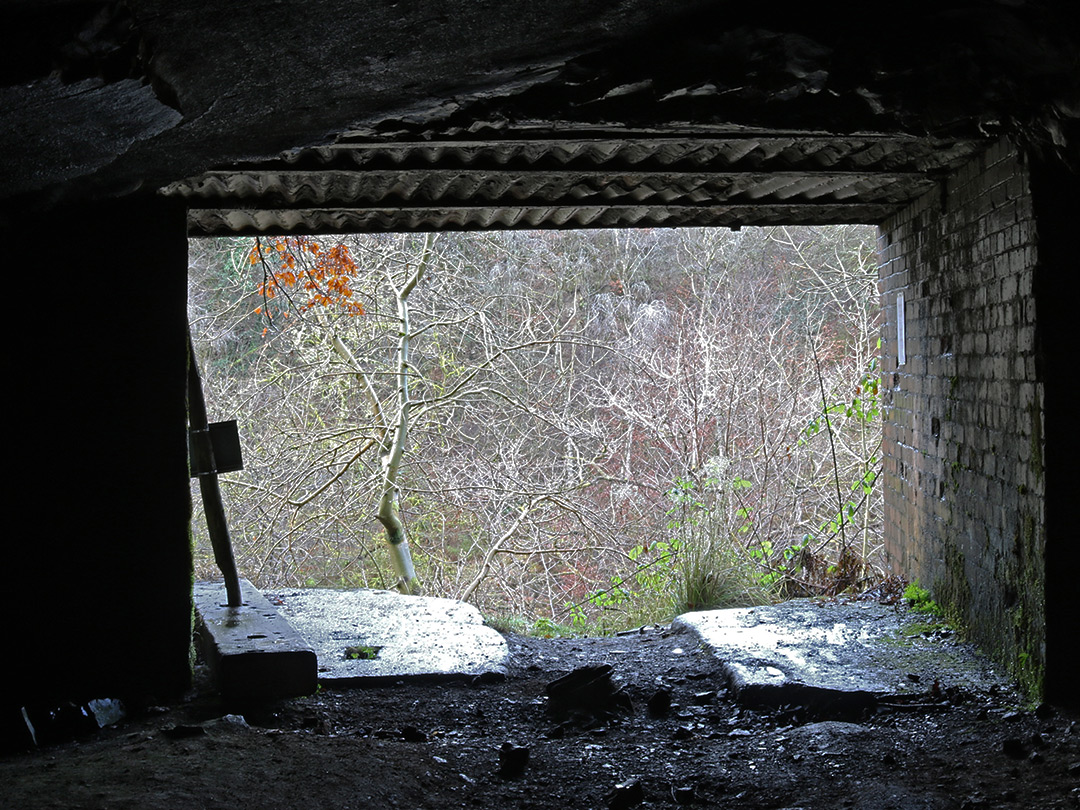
(252, 650)
(833, 656)
(370, 636)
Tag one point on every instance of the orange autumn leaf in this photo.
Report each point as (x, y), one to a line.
(323, 272)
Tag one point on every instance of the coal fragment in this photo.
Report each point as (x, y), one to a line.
(513, 759)
(684, 795)
(660, 703)
(588, 694)
(106, 711)
(557, 733)
(58, 723)
(626, 794)
(1044, 711)
(413, 734)
(1012, 747)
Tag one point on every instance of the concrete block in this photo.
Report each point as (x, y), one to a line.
(252, 650)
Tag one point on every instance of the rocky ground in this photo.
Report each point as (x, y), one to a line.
(657, 729)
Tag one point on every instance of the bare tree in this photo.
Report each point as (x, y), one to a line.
(549, 419)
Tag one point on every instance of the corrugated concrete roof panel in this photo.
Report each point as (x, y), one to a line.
(609, 181)
(253, 222)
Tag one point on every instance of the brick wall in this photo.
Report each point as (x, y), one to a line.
(963, 418)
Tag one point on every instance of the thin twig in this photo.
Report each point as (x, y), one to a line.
(832, 444)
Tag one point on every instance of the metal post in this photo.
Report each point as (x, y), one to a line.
(213, 508)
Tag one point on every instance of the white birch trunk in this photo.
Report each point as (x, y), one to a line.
(395, 439)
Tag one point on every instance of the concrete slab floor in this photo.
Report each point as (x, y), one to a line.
(836, 655)
(368, 635)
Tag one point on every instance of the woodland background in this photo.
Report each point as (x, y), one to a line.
(605, 428)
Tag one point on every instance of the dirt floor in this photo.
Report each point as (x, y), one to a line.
(656, 730)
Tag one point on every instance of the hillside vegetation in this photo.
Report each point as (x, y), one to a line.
(603, 428)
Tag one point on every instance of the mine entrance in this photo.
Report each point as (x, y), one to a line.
(604, 427)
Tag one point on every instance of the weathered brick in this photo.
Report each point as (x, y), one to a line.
(955, 493)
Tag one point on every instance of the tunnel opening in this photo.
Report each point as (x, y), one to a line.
(607, 428)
